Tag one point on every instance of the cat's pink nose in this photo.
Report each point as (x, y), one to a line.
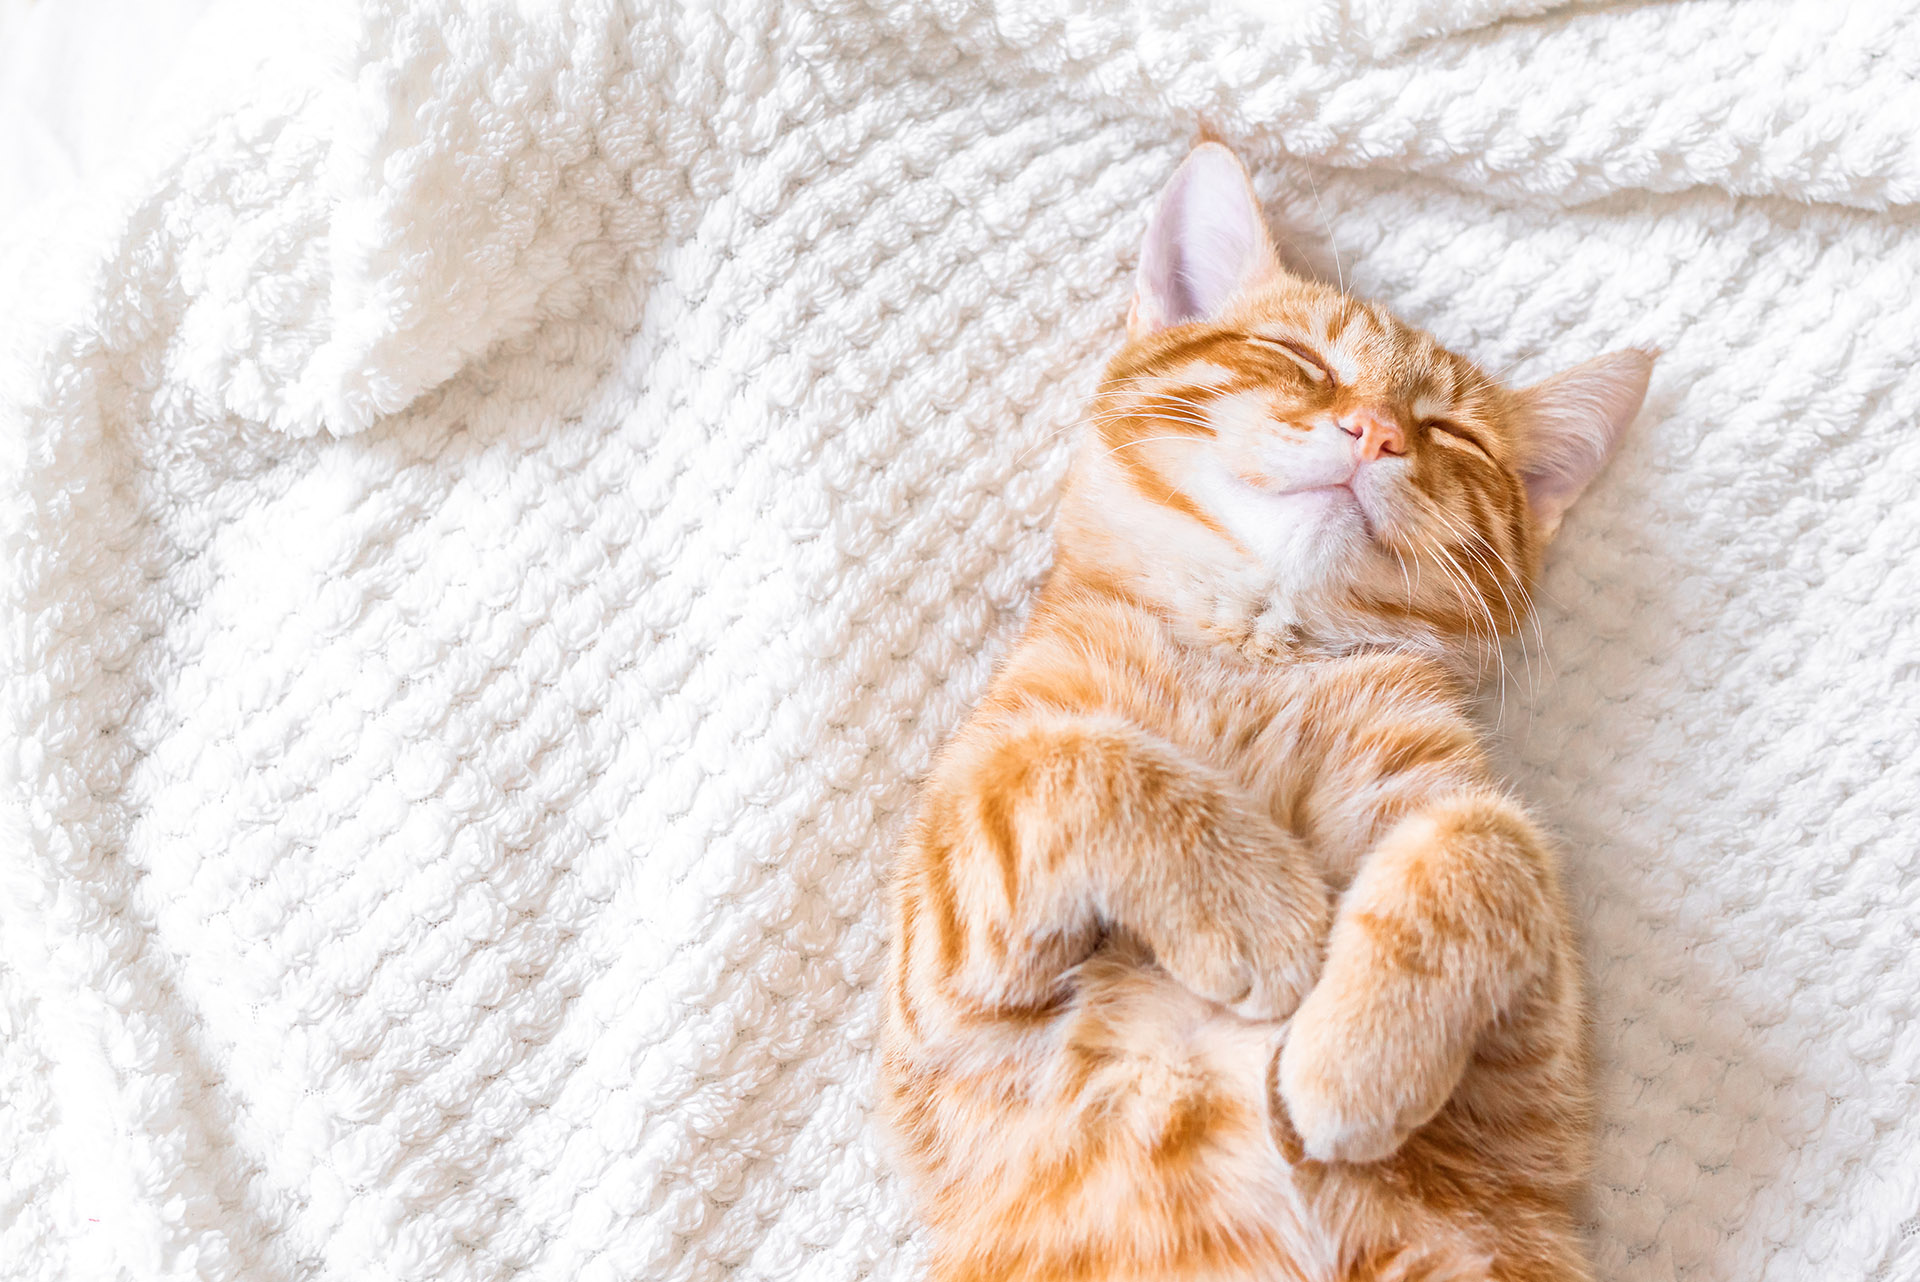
(1376, 433)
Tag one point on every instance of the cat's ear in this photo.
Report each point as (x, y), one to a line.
(1207, 241)
(1569, 425)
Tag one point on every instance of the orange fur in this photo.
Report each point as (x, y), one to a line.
(1218, 950)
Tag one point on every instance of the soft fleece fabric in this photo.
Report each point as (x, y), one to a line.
(500, 501)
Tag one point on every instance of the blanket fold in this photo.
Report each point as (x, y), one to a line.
(408, 205)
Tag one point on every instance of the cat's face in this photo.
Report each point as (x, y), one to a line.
(1316, 439)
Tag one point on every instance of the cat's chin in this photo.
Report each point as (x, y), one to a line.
(1342, 502)
(1306, 534)
(1324, 509)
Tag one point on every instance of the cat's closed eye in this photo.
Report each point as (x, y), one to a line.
(1315, 368)
(1445, 432)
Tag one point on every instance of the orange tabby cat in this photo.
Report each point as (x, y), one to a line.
(1218, 949)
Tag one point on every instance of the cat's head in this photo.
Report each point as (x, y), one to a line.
(1266, 450)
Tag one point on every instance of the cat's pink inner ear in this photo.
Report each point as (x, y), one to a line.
(1572, 421)
(1206, 243)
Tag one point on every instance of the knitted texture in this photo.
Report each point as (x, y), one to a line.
(502, 504)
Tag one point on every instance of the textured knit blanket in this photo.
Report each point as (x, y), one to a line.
(501, 502)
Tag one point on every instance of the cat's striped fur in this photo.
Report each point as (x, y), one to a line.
(1219, 951)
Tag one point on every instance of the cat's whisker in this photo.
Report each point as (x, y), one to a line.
(1467, 547)
(1145, 440)
(1509, 367)
(1046, 440)
(1333, 242)
(1470, 597)
(1533, 612)
(1107, 417)
(1145, 403)
(1531, 619)
(1148, 418)
(1184, 411)
(1477, 544)
(1471, 543)
(1464, 595)
(1451, 575)
(1171, 398)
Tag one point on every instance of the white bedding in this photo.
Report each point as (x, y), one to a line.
(77, 77)
(501, 500)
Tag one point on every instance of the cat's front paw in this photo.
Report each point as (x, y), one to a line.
(1245, 625)
(1278, 980)
(1261, 970)
(1334, 1125)
(1339, 1100)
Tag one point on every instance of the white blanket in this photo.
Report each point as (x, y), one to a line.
(501, 501)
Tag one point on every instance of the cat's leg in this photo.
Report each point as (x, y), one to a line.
(1454, 916)
(1041, 834)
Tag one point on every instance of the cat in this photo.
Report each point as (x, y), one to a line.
(1218, 950)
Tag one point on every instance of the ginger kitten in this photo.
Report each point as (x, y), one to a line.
(1218, 950)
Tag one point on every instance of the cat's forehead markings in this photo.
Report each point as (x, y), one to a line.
(1324, 337)
(1345, 363)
